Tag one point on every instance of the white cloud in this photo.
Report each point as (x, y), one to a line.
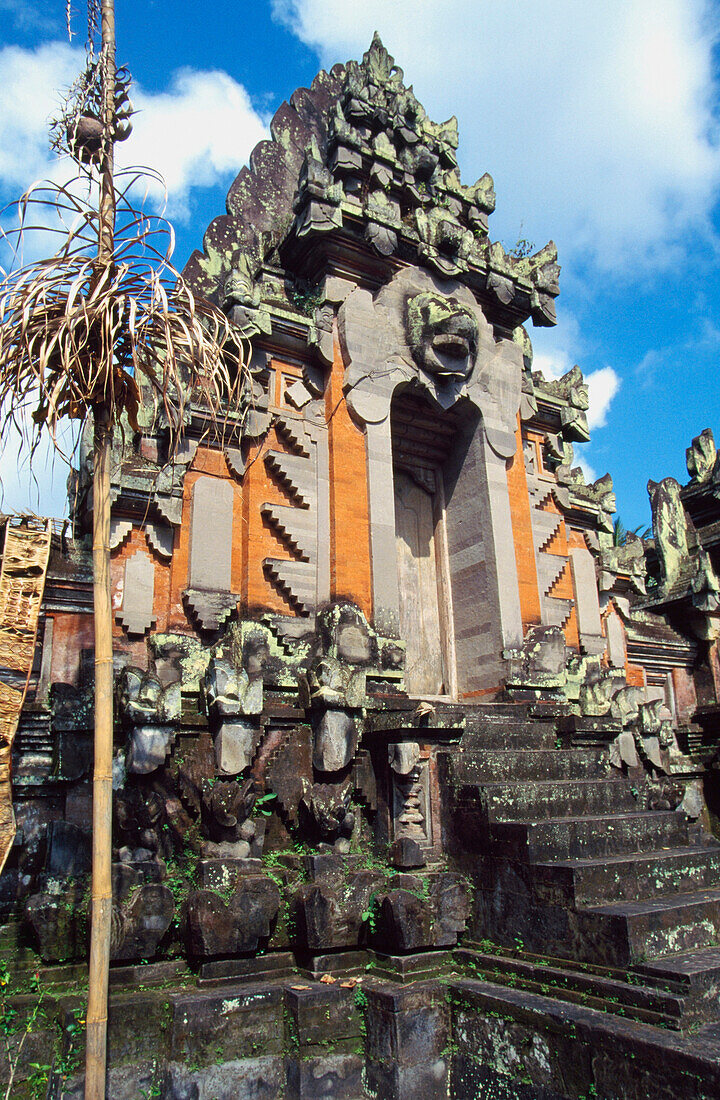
(602, 386)
(30, 84)
(32, 15)
(580, 460)
(36, 484)
(553, 364)
(556, 351)
(198, 133)
(201, 131)
(595, 120)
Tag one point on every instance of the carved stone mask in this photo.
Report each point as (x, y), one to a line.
(442, 335)
(239, 289)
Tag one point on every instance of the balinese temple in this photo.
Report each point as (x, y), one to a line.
(414, 777)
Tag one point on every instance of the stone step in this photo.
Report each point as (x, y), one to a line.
(628, 877)
(658, 926)
(603, 988)
(696, 973)
(488, 731)
(496, 765)
(218, 972)
(585, 1052)
(590, 836)
(20, 958)
(497, 711)
(541, 799)
(15, 947)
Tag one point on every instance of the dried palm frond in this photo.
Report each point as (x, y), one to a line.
(76, 334)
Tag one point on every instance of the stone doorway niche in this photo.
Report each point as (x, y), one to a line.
(391, 383)
(423, 439)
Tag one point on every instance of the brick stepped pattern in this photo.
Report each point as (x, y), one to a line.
(295, 523)
(572, 868)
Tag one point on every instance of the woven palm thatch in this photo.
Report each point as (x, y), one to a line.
(22, 581)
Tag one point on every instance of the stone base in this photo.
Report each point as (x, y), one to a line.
(279, 964)
(336, 964)
(588, 732)
(410, 968)
(299, 1038)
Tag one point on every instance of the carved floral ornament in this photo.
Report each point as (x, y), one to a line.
(424, 330)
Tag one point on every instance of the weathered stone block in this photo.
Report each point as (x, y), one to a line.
(319, 919)
(69, 852)
(149, 746)
(216, 926)
(235, 744)
(406, 853)
(223, 875)
(60, 930)
(209, 1028)
(335, 741)
(405, 922)
(211, 535)
(335, 1076)
(321, 1013)
(428, 1081)
(452, 902)
(408, 1034)
(136, 614)
(238, 1079)
(141, 922)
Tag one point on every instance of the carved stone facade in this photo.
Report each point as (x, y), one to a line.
(383, 669)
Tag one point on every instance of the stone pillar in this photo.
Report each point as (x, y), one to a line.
(503, 544)
(587, 604)
(382, 528)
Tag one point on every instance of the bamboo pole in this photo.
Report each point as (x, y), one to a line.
(96, 1041)
(101, 910)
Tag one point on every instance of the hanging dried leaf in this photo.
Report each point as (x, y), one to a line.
(75, 333)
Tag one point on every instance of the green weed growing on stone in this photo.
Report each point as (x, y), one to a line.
(154, 1089)
(15, 1033)
(181, 879)
(370, 914)
(263, 805)
(306, 300)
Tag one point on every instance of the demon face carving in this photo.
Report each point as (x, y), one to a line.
(442, 335)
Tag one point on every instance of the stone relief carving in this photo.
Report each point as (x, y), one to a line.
(670, 528)
(701, 457)
(411, 795)
(136, 612)
(241, 300)
(150, 713)
(443, 335)
(430, 332)
(234, 703)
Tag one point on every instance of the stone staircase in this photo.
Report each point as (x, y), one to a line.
(582, 894)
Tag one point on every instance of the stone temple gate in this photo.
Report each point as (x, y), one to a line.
(413, 785)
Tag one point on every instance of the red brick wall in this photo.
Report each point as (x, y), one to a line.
(350, 572)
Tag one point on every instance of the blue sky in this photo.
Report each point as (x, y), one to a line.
(600, 128)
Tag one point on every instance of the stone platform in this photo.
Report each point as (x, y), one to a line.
(453, 1036)
(588, 960)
